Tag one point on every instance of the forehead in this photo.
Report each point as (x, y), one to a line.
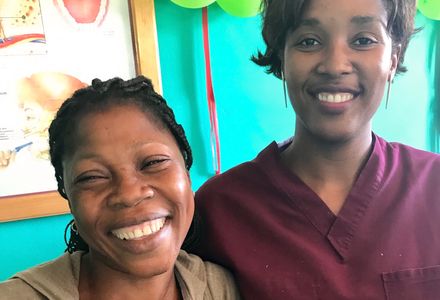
(120, 124)
(358, 11)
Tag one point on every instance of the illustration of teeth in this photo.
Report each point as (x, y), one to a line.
(138, 231)
(81, 18)
(335, 98)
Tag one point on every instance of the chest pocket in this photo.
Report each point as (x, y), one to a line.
(413, 284)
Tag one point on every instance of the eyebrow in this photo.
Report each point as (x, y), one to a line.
(362, 20)
(358, 20)
(309, 22)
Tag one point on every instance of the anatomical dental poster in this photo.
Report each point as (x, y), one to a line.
(48, 49)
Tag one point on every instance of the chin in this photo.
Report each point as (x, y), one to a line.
(149, 268)
(141, 265)
(151, 271)
(333, 137)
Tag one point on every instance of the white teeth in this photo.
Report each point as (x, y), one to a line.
(124, 236)
(335, 98)
(147, 230)
(138, 231)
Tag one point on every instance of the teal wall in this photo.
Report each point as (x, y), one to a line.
(250, 107)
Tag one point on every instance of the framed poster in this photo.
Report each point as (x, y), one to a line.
(48, 49)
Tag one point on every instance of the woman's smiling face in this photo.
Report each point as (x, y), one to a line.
(336, 65)
(128, 190)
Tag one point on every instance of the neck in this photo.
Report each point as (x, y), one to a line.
(329, 168)
(99, 281)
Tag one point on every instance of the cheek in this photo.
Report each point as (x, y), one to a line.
(377, 76)
(184, 198)
(83, 226)
(297, 72)
(186, 193)
(293, 69)
(85, 215)
(383, 67)
(382, 61)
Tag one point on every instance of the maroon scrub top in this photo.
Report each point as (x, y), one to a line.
(281, 241)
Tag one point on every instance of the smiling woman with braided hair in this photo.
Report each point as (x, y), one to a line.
(122, 162)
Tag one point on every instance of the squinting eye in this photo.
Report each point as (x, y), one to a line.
(153, 162)
(86, 179)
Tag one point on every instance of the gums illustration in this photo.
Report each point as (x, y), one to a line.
(83, 12)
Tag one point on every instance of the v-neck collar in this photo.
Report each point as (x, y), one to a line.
(338, 229)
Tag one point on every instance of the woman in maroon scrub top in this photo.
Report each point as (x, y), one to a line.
(336, 212)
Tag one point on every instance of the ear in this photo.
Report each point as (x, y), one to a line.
(280, 55)
(395, 56)
(189, 178)
(68, 201)
(70, 206)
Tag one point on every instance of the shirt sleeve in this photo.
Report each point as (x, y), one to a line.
(221, 283)
(15, 288)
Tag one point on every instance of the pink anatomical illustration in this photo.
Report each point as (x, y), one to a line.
(21, 28)
(24, 148)
(83, 12)
(38, 98)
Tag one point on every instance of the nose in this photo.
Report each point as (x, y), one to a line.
(336, 60)
(129, 191)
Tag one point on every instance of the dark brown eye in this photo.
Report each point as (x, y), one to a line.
(308, 42)
(364, 41)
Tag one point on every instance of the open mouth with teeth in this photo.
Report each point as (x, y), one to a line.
(140, 230)
(335, 97)
(83, 12)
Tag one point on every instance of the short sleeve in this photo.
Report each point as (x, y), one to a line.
(220, 283)
(15, 288)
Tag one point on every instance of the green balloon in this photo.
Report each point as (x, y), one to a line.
(192, 3)
(430, 8)
(240, 8)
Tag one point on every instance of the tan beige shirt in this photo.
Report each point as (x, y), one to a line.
(58, 279)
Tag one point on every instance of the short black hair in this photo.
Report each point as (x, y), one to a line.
(100, 96)
(281, 16)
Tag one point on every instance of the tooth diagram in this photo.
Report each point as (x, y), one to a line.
(83, 12)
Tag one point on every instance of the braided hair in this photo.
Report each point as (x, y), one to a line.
(97, 97)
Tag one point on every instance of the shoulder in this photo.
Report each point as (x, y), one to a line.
(205, 278)
(219, 279)
(405, 154)
(16, 288)
(245, 173)
(55, 278)
(416, 155)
